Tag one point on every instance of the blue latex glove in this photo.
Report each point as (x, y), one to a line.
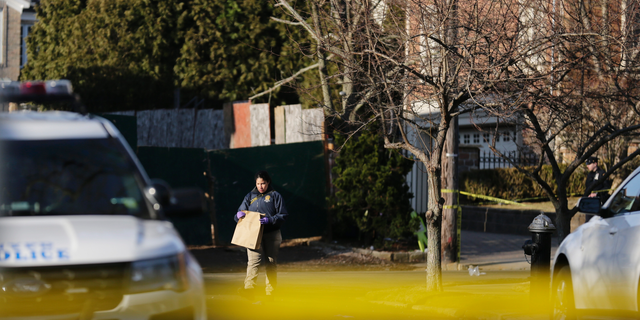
(265, 220)
(240, 215)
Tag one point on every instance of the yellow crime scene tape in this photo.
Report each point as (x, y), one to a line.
(481, 197)
(604, 190)
(516, 201)
(570, 195)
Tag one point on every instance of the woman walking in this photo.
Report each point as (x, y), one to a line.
(264, 199)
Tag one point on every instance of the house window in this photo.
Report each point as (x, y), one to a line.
(467, 138)
(430, 50)
(476, 138)
(486, 137)
(2, 35)
(25, 28)
(514, 137)
(506, 136)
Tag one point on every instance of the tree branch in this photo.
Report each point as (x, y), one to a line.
(299, 18)
(287, 80)
(286, 21)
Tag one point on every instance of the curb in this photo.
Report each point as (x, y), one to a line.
(414, 257)
(399, 257)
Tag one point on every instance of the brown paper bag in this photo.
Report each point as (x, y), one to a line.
(248, 232)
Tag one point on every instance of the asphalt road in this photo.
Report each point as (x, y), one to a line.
(374, 295)
(501, 292)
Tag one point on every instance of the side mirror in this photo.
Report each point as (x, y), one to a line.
(589, 205)
(187, 201)
(162, 192)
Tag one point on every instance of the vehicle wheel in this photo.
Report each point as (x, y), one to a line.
(562, 295)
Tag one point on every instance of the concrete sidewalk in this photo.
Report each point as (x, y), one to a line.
(493, 251)
(488, 251)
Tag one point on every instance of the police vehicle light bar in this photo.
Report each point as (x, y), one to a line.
(32, 88)
(36, 91)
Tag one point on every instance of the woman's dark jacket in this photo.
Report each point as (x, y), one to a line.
(270, 203)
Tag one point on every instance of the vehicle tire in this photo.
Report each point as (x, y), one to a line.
(562, 296)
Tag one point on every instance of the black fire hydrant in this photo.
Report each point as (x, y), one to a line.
(539, 248)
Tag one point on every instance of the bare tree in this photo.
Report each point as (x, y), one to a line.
(590, 104)
(414, 65)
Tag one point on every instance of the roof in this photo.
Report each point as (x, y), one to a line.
(19, 5)
(52, 125)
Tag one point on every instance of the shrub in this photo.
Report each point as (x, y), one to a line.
(372, 193)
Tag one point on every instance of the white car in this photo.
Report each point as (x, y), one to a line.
(83, 233)
(596, 269)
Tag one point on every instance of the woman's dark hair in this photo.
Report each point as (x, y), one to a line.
(264, 176)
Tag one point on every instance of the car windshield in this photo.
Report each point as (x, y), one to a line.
(68, 177)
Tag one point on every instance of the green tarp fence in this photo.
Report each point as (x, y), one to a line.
(128, 127)
(181, 168)
(297, 170)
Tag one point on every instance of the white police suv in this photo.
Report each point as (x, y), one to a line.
(82, 228)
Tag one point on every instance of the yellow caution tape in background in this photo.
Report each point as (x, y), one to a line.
(494, 199)
(481, 197)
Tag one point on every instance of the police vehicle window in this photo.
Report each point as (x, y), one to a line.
(68, 177)
(627, 199)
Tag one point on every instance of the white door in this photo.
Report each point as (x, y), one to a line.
(626, 223)
(593, 273)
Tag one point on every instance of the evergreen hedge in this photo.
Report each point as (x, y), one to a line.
(371, 190)
(510, 184)
(132, 54)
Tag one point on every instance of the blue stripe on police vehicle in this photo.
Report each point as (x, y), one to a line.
(32, 251)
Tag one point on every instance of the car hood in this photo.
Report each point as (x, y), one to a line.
(64, 240)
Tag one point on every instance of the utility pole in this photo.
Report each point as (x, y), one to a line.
(450, 217)
(449, 235)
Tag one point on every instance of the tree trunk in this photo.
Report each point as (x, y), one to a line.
(563, 223)
(434, 225)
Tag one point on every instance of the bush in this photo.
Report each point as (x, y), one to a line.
(510, 184)
(372, 193)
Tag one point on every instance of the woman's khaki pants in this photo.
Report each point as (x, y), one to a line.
(269, 253)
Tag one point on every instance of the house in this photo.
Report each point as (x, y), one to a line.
(477, 40)
(16, 19)
(476, 133)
